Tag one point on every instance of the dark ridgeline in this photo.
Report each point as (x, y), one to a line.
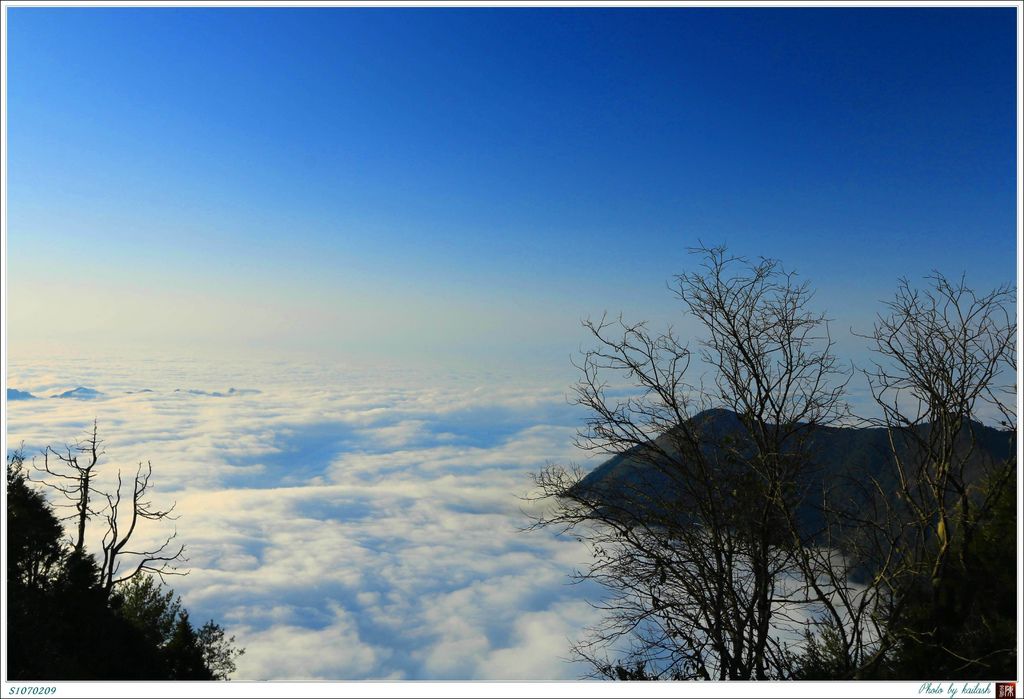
(839, 460)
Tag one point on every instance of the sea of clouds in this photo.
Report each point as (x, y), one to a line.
(342, 522)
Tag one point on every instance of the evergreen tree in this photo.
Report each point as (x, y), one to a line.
(63, 624)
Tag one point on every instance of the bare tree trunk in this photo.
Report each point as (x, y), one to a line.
(75, 481)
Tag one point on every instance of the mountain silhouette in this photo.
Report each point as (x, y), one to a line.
(842, 460)
(79, 393)
(218, 394)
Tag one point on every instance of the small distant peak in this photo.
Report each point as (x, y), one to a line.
(79, 393)
(218, 394)
(15, 394)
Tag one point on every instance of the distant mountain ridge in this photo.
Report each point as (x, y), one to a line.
(840, 458)
(79, 393)
(219, 394)
(86, 393)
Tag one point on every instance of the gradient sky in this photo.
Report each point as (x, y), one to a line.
(471, 182)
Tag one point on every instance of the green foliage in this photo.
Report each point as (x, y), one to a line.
(203, 653)
(823, 656)
(62, 624)
(183, 653)
(965, 627)
(58, 621)
(149, 607)
(34, 551)
(219, 652)
(636, 672)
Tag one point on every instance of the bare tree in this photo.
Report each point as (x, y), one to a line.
(73, 473)
(699, 549)
(160, 560)
(945, 362)
(725, 548)
(74, 480)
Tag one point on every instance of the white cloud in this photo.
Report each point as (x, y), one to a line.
(344, 524)
(294, 652)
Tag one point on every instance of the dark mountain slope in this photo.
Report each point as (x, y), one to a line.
(843, 460)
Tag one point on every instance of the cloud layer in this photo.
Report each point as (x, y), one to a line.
(343, 523)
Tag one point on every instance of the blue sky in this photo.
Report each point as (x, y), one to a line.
(465, 181)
